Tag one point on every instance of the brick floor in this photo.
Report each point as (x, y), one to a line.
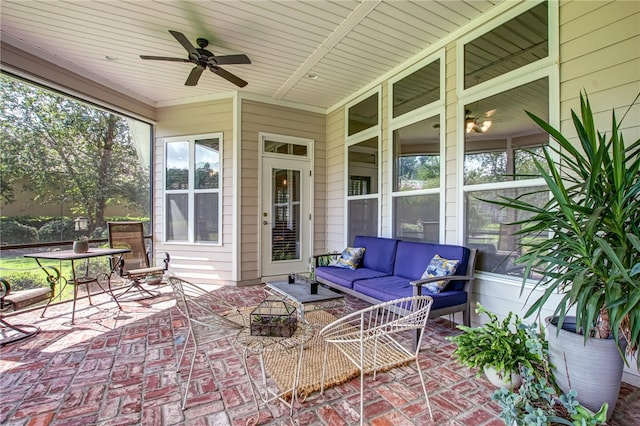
(119, 368)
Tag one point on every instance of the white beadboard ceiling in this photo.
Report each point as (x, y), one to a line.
(348, 44)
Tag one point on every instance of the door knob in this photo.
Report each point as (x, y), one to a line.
(264, 222)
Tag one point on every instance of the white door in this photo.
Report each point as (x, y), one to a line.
(285, 217)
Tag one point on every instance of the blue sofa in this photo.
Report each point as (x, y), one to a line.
(391, 269)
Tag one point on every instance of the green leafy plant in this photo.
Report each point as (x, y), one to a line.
(592, 255)
(505, 345)
(536, 402)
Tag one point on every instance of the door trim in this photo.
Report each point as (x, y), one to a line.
(310, 144)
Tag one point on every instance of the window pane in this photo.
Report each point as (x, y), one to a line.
(363, 166)
(417, 155)
(285, 148)
(516, 43)
(177, 165)
(363, 218)
(207, 217)
(286, 214)
(497, 129)
(417, 218)
(417, 89)
(487, 228)
(523, 158)
(207, 167)
(177, 217)
(485, 167)
(363, 115)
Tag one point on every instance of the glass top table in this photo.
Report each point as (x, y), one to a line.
(299, 294)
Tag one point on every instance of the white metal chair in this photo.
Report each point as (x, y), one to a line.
(379, 338)
(210, 319)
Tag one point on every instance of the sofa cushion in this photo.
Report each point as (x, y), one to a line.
(389, 288)
(412, 260)
(346, 277)
(439, 267)
(380, 253)
(350, 258)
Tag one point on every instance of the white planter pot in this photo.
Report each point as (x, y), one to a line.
(512, 380)
(593, 370)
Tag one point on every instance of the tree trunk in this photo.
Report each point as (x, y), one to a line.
(603, 326)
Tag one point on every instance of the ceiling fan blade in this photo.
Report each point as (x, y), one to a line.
(163, 58)
(194, 76)
(184, 41)
(228, 76)
(232, 59)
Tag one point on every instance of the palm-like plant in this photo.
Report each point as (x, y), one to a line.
(592, 255)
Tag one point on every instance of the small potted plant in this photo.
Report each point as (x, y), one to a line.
(81, 245)
(500, 348)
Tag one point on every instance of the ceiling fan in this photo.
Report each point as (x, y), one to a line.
(471, 122)
(204, 59)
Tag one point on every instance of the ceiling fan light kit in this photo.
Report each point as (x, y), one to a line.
(204, 59)
(471, 124)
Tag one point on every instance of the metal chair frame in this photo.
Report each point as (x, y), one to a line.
(379, 338)
(134, 266)
(209, 318)
(10, 333)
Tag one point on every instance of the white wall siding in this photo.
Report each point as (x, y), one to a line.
(335, 207)
(262, 117)
(452, 122)
(204, 263)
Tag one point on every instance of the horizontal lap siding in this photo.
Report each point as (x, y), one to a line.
(452, 233)
(257, 117)
(198, 262)
(600, 54)
(335, 208)
(383, 164)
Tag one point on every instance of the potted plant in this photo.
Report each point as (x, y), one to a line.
(81, 245)
(499, 348)
(536, 402)
(591, 256)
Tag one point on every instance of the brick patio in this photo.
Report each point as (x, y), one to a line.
(119, 368)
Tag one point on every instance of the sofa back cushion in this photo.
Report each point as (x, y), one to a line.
(379, 254)
(413, 258)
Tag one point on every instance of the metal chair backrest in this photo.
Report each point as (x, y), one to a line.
(384, 319)
(129, 235)
(202, 308)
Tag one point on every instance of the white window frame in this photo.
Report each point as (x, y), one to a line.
(191, 191)
(371, 132)
(544, 68)
(426, 111)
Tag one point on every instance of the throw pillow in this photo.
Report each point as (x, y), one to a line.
(350, 258)
(439, 267)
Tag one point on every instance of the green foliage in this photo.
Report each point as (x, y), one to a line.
(12, 232)
(58, 230)
(505, 345)
(25, 280)
(64, 150)
(592, 257)
(536, 403)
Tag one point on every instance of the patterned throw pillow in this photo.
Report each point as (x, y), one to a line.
(439, 267)
(350, 258)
